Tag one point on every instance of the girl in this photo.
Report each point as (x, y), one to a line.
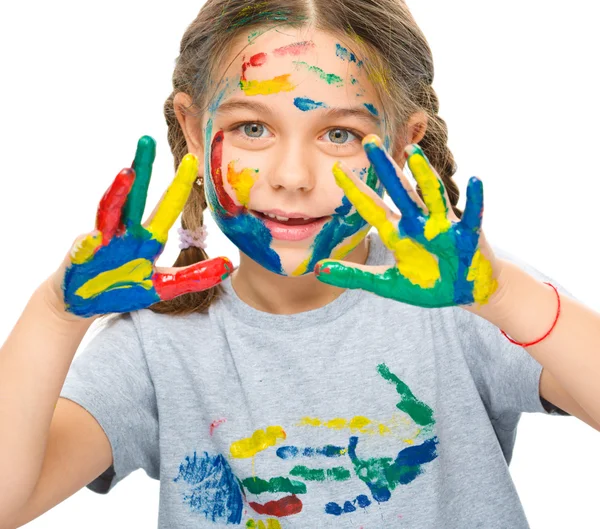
(288, 392)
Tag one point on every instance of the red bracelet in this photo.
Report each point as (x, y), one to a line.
(545, 335)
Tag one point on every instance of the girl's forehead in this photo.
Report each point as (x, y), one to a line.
(309, 66)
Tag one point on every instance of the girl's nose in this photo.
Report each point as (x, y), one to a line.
(292, 171)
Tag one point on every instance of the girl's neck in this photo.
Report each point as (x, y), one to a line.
(269, 292)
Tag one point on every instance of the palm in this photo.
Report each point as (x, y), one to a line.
(112, 269)
(439, 262)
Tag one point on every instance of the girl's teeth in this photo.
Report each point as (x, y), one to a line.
(284, 219)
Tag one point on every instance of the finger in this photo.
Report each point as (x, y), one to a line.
(110, 208)
(344, 275)
(85, 247)
(401, 193)
(369, 205)
(433, 192)
(174, 198)
(142, 165)
(473, 215)
(194, 278)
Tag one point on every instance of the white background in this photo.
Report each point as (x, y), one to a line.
(518, 85)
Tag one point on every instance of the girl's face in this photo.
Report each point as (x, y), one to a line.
(289, 105)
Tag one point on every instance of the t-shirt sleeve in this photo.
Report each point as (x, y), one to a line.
(111, 380)
(507, 376)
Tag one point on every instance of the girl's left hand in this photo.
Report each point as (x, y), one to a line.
(441, 260)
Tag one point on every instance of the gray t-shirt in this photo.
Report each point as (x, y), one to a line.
(366, 412)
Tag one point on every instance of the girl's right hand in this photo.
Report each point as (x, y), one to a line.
(111, 269)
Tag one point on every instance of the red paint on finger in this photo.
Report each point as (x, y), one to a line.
(108, 216)
(195, 278)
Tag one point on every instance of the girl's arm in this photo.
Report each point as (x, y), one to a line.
(525, 308)
(34, 362)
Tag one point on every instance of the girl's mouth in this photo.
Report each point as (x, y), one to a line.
(291, 229)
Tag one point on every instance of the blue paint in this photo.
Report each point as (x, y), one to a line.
(211, 488)
(129, 296)
(291, 452)
(371, 108)
(305, 104)
(413, 220)
(403, 470)
(349, 506)
(346, 55)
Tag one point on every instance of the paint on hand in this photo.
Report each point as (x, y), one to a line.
(329, 78)
(259, 441)
(305, 104)
(435, 258)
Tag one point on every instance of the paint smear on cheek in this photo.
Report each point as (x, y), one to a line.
(298, 48)
(216, 157)
(241, 182)
(305, 104)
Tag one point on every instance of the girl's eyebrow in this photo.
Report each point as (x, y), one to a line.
(329, 112)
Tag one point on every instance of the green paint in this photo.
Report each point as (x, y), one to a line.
(418, 411)
(321, 474)
(329, 78)
(353, 79)
(278, 484)
(254, 35)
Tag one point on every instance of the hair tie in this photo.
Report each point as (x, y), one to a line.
(196, 238)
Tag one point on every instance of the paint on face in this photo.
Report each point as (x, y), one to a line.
(297, 48)
(231, 199)
(346, 55)
(305, 104)
(329, 78)
(371, 108)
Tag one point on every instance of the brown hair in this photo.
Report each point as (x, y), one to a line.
(397, 58)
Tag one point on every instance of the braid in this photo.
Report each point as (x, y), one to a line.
(435, 146)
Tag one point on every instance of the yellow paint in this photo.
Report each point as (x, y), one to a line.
(241, 182)
(433, 196)
(134, 272)
(413, 261)
(349, 244)
(260, 440)
(281, 83)
(175, 197)
(480, 272)
(272, 523)
(85, 249)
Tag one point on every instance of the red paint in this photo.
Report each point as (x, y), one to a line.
(283, 507)
(298, 48)
(108, 216)
(195, 278)
(216, 159)
(214, 424)
(256, 60)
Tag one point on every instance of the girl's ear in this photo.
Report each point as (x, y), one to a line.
(413, 132)
(191, 125)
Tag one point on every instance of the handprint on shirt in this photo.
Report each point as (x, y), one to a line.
(439, 258)
(112, 268)
(211, 488)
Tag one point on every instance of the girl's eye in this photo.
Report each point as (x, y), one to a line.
(340, 137)
(253, 130)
